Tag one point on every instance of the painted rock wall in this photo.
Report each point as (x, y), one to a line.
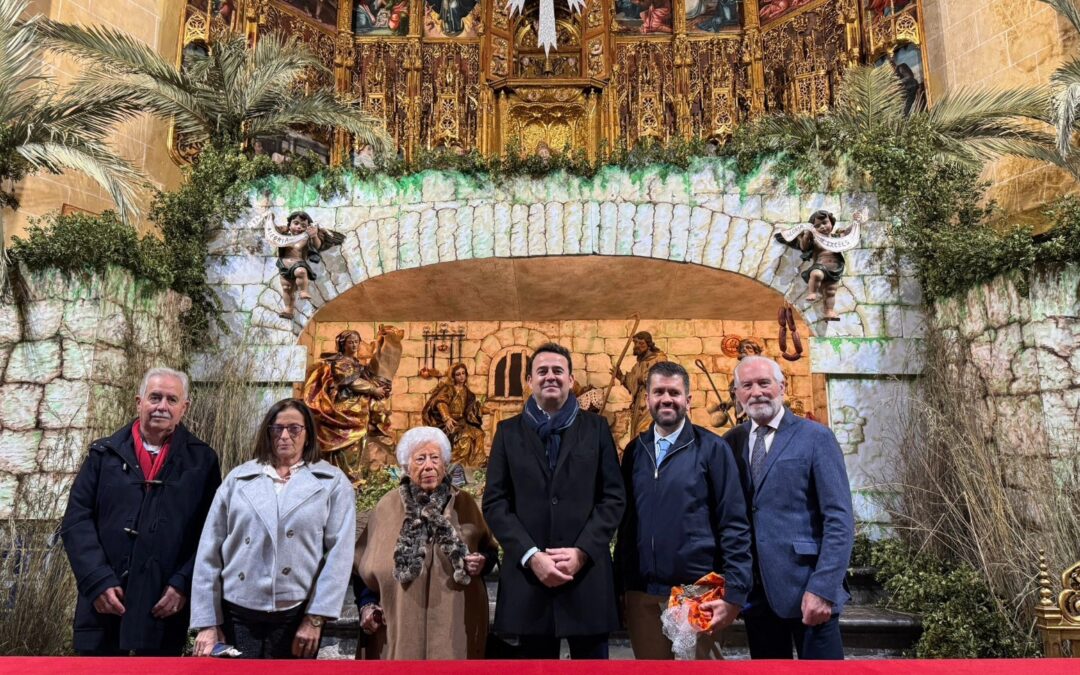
(1024, 350)
(67, 373)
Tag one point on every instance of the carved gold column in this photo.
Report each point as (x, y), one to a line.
(413, 73)
(753, 55)
(848, 16)
(254, 17)
(413, 68)
(684, 123)
(344, 60)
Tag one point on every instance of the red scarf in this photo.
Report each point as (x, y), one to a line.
(149, 464)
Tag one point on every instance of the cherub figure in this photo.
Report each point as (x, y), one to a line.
(822, 244)
(299, 243)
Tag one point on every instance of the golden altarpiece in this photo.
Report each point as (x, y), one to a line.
(466, 74)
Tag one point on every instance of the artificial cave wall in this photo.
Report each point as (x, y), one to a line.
(1020, 341)
(68, 360)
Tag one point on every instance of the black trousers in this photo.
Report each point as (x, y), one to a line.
(771, 637)
(546, 647)
(172, 643)
(114, 650)
(261, 635)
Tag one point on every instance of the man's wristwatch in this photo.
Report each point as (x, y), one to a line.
(316, 621)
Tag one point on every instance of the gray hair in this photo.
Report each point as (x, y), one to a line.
(419, 436)
(778, 375)
(164, 372)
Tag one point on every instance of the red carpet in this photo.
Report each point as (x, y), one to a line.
(73, 666)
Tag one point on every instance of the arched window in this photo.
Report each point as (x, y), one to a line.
(507, 378)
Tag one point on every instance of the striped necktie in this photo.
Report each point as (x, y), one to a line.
(757, 462)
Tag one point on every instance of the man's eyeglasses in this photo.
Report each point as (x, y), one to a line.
(276, 430)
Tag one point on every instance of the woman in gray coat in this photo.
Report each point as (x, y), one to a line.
(276, 551)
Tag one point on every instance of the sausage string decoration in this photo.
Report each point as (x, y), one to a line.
(786, 318)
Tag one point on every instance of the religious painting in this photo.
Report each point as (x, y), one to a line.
(712, 16)
(380, 17)
(886, 7)
(906, 62)
(452, 18)
(321, 11)
(774, 9)
(644, 16)
(224, 10)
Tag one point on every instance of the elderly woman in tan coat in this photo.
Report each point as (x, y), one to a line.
(421, 560)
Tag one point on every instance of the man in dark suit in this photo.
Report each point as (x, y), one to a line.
(685, 517)
(799, 502)
(132, 526)
(554, 499)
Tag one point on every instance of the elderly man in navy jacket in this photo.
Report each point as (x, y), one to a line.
(685, 517)
(800, 509)
(132, 526)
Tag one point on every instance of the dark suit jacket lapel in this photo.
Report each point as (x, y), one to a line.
(533, 444)
(783, 437)
(744, 450)
(570, 440)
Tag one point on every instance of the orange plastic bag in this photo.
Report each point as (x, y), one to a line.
(683, 619)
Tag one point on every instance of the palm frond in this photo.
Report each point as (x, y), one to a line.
(966, 107)
(113, 51)
(984, 145)
(275, 66)
(115, 175)
(1066, 105)
(780, 131)
(18, 62)
(1019, 147)
(1068, 9)
(320, 109)
(188, 109)
(869, 97)
(76, 114)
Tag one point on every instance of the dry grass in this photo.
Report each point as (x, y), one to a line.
(964, 496)
(226, 413)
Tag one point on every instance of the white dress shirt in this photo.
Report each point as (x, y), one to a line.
(672, 437)
(773, 424)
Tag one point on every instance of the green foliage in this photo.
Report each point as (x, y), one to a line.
(961, 618)
(13, 168)
(88, 243)
(374, 486)
(924, 169)
(215, 191)
(1062, 243)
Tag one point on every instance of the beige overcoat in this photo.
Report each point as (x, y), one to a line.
(432, 617)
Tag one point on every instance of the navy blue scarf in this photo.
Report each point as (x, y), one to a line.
(550, 427)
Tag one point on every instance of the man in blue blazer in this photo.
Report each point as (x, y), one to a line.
(799, 502)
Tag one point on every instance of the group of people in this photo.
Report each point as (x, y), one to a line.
(260, 561)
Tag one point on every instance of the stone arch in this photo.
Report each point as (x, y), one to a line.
(701, 216)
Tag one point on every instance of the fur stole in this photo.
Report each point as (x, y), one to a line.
(425, 522)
